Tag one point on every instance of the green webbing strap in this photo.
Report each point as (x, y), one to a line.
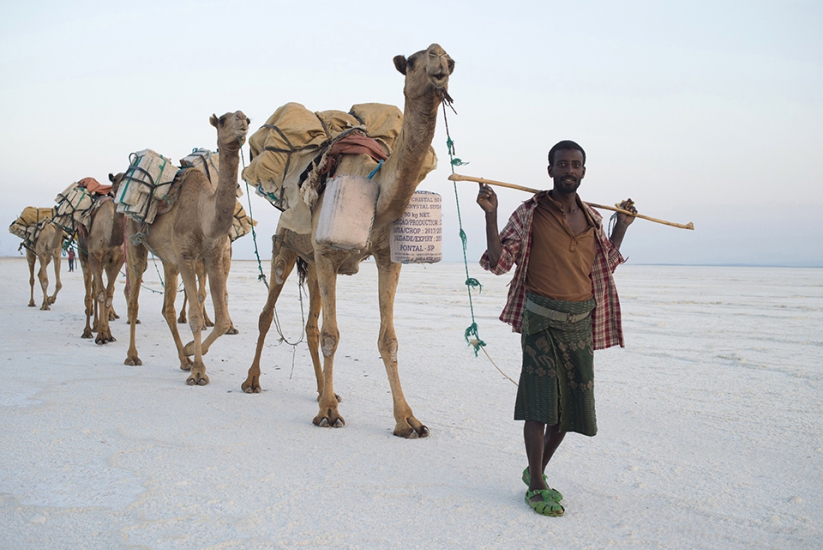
(471, 334)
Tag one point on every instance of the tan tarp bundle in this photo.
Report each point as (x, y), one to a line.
(293, 136)
(31, 220)
(241, 224)
(145, 185)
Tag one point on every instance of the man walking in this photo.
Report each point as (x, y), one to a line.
(563, 301)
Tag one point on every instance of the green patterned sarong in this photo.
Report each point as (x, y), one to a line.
(557, 377)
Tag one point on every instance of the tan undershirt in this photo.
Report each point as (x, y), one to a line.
(560, 262)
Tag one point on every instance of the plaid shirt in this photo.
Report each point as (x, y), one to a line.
(516, 238)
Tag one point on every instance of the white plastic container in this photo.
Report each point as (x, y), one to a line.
(348, 213)
(417, 236)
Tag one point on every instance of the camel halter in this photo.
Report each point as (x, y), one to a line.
(471, 334)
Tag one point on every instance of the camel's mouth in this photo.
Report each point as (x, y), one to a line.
(439, 81)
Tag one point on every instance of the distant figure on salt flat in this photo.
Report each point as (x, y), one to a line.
(563, 301)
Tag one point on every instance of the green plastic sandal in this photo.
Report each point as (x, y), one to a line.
(546, 505)
(554, 493)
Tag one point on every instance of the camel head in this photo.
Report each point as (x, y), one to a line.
(425, 71)
(231, 130)
(115, 182)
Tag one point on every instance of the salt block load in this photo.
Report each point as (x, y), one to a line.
(73, 207)
(145, 185)
(348, 213)
(417, 236)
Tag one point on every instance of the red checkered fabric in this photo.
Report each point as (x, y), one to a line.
(516, 238)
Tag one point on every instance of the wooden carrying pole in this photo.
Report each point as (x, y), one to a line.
(458, 177)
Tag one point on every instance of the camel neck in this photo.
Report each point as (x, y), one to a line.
(225, 195)
(402, 169)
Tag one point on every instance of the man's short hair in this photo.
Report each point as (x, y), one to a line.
(566, 144)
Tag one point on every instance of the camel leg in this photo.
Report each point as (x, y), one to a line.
(227, 268)
(188, 271)
(219, 297)
(111, 279)
(282, 263)
(31, 259)
(169, 314)
(312, 328)
(406, 425)
(182, 319)
(201, 294)
(102, 299)
(328, 414)
(88, 300)
(58, 285)
(43, 276)
(136, 260)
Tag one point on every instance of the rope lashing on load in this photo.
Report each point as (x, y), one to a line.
(471, 333)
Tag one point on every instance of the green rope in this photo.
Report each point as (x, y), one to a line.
(471, 334)
(262, 276)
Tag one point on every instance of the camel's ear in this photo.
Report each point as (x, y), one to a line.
(400, 63)
(214, 120)
(111, 177)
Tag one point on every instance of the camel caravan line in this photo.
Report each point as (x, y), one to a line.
(345, 184)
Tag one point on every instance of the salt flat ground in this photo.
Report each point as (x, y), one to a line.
(710, 423)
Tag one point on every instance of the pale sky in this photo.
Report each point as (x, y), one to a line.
(701, 111)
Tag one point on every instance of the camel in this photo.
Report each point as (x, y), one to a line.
(47, 247)
(195, 229)
(426, 80)
(100, 248)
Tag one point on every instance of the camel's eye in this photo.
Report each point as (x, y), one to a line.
(410, 64)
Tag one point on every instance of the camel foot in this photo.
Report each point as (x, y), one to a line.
(129, 322)
(182, 319)
(32, 304)
(52, 299)
(113, 317)
(87, 334)
(251, 385)
(412, 429)
(232, 330)
(198, 379)
(187, 365)
(209, 323)
(133, 361)
(45, 307)
(329, 419)
(103, 339)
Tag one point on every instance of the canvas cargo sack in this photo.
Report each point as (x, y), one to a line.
(145, 185)
(293, 137)
(241, 224)
(31, 220)
(417, 236)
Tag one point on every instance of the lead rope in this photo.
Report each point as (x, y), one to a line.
(471, 334)
(262, 277)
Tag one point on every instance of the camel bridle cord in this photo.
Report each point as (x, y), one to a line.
(471, 334)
